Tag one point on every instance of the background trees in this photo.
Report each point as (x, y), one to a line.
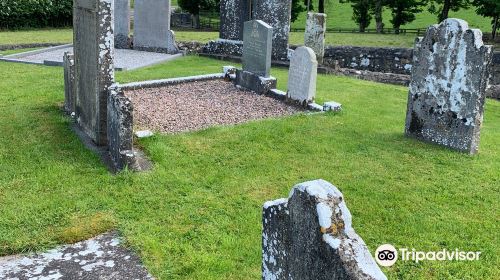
(489, 8)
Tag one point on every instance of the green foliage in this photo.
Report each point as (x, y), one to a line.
(441, 8)
(35, 13)
(195, 6)
(361, 13)
(489, 8)
(297, 8)
(404, 11)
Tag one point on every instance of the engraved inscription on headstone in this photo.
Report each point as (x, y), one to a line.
(257, 44)
(302, 75)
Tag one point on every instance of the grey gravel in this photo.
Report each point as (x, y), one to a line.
(198, 105)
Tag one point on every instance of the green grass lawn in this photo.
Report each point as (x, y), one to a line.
(297, 38)
(340, 16)
(197, 214)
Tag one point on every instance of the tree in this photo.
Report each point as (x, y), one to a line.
(195, 6)
(403, 11)
(489, 8)
(360, 12)
(321, 6)
(297, 8)
(377, 12)
(444, 6)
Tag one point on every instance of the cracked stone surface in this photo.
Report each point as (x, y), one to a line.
(101, 257)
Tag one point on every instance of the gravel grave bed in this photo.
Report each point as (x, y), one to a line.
(198, 105)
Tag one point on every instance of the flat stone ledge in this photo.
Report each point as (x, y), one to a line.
(172, 81)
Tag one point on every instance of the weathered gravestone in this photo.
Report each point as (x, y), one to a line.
(314, 37)
(152, 26)
(302, 76)
(233, 13)
(94, 74)
(447, 92)
(310, 236)
(69, 82)
(120, 129)
(257, 44)
(122, 24)
(277, 13)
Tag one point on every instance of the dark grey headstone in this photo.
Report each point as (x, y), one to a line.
(314, 37)
(449, 78)
(302, 76)
(69, 82)
(120, 129)
(233, 13)
(253, 82)
(276, 13)
(310, 236)
(152, 27)
(257, 44)
(122, 24)
(94, 73)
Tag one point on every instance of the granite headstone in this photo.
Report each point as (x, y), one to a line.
(233, 13)
(257, 44)
(122, 24)
(302, 76)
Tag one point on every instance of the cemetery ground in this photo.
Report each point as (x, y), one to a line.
(197, 214)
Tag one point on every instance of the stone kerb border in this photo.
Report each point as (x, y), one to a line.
(172, 81)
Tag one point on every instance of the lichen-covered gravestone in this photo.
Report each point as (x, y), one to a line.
(233, 13)
(94, 73)
(302, 76)
(447, 92)
(69, 82)
(122, 24)
(257, 44)
(277, 13)
(152, 27)
(314, 37)
(310, 236)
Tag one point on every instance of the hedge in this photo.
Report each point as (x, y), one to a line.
(16, 14)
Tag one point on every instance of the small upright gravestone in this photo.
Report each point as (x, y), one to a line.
(257, 43)
(314, 37)
(94, 72)
(302, 76)
(447, 92)
(309, 236)
(277, 13)
(122, 24)
(69, 82)
(152, 26)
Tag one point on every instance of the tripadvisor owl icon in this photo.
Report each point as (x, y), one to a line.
(386, 255)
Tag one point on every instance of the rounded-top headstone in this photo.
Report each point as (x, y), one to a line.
(302, 75)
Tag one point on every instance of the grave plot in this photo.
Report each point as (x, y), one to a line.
(201, 104)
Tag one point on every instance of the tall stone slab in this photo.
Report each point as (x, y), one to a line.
(302, 76)
(277, 13)
(447, 92)
(257, 45)
(309, 235)
(233, 13)
(152, 26)
(314, 37)
(93, 45)
(122, 24)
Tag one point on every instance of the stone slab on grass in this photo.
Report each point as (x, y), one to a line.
(125, 59)
(102, 257)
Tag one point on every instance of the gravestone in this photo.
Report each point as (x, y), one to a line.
(120, 129)
(152, 27)
(309, 236)
(122, 24)
(276, 13)
(302, 76)
(447, 92)
(233, 13)
(94, 73)
(69, 82)
(314, 37)
(257, 45)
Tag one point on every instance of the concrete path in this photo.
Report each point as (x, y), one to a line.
(101, 257)
(125, 59)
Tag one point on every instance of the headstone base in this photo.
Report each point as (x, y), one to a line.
(169, 48)
(248, 80)
(122, 42)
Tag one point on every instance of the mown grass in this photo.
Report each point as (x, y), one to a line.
(197, 214)
(340, 16)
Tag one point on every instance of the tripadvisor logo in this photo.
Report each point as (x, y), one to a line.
(387, 255)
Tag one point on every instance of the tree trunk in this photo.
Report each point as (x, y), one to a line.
(321, 6)
(378, 16)
(495, 27)
(445, 11)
